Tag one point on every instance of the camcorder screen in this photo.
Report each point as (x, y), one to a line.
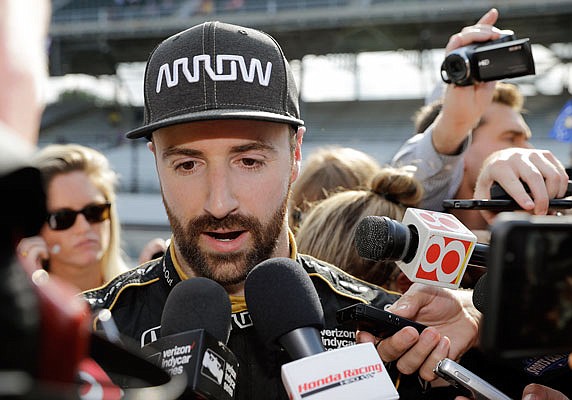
(529, 306)
(503, 61)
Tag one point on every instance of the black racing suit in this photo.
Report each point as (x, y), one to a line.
(136, 299)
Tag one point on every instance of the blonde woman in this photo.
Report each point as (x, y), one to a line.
(327, 229)
(80, 239)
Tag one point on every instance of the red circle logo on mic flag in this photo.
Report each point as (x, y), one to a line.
(444, 259)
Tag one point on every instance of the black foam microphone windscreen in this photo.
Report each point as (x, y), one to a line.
(480, 294)
(380, 238)
(281, 298)
(197, 303)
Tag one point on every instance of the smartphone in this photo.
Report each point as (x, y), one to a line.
(528, 308)
(459, 376)
(376, 321)
(498, 193)
(500, 204)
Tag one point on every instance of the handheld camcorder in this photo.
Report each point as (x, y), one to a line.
(506, 57)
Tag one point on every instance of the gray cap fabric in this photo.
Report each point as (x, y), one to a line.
(217, 71)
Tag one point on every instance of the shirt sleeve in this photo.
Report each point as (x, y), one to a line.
(440, 174)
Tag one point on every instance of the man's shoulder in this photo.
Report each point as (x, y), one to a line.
(142, 276)
(345, 284)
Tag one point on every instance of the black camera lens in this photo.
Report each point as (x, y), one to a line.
(456, 68)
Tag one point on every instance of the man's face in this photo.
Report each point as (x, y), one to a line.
(225, 186)
(500, 127)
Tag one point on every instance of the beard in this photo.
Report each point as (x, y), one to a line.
(227, 269)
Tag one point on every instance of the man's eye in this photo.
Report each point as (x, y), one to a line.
(250, 162)
(187, 165)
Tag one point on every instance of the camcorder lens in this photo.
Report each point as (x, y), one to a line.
(456, 68)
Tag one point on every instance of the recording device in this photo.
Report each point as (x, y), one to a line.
(429, 247)
(460, 377)
(501, 201)
(506, 57)
(500, 204)
(376, 321)
(287, 313)
(527, 303)
(195, 326)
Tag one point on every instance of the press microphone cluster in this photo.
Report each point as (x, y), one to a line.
(287, 313)
(195, 327)
(429, 247)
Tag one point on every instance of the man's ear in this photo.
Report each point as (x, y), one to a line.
(298, 153)
(151, 146)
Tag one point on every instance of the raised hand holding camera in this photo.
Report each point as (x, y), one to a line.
(506, 57)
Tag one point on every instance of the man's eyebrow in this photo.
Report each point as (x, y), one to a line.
(252, 146)
(180, 151)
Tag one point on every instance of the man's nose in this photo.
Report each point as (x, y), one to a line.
(221, 199)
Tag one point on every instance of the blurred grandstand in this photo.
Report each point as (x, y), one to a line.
(95, 37)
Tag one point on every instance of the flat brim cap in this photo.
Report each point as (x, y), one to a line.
(217, 71)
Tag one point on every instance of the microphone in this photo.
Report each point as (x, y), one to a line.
(430, 247)
(195, 327)
(287, 313)
(480, 294)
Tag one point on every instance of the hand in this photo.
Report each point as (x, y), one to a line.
(32, 251)
(154, 246)
(540, 169)
(463, 106)
(540, 392)
(452, 329)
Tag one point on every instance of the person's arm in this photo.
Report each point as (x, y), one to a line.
(440, 174)
(463, 106)
(452, 322)
(539, 169)
(23, 64)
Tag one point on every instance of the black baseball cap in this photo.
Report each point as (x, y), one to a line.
(217, 71)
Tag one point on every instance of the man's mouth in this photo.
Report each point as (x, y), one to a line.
(225, 236)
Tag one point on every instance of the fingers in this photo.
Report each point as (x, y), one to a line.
(420, 355)
(541, 392)
(489, 18)
(366, 337)
(31, 252)
(543, 173)
(393, 347)
(439, 352)
(414, 351)
(480, 32)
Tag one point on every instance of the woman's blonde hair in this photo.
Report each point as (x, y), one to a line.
(327, 170)
(327, 230)
(57, 159)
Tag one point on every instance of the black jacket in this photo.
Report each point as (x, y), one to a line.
(136, 299)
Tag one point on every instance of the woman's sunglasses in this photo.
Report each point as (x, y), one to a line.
(64, 219)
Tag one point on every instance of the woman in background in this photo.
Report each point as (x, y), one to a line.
(80, 240)
(327, 170)
(328, 227)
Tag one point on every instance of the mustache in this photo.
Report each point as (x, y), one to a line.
(229, 222)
